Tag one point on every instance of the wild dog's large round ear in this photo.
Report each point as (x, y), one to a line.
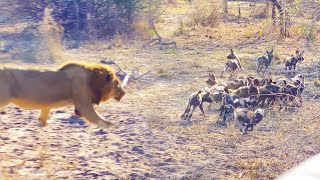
(213, 77)
(297, 82)
(269, 81)
(249, 81)
(226, 90)
(256, 82)
(285, 82)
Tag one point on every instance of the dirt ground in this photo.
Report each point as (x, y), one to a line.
(149, 140)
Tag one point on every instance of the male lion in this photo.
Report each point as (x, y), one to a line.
(80, 84)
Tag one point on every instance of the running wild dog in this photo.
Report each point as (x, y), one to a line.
(232, 101)
(292, 61)
(232, 64)
(247, 118)
(264, 61)
(196, 99)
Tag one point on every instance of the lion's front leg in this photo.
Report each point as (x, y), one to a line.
(84, 108)
(91, 115)
(44, 115)
(83, 103)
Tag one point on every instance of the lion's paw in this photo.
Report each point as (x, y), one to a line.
(43, 123)
(105, 124)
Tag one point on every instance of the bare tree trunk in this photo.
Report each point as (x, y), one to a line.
(268, 4)
(273, 14)
(77, 23)
(239, 9)
(90, 19)
(225, 6)
(281, 13)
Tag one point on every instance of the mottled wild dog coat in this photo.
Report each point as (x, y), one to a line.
(269, 93)
(292, 61)
(232, 101)
(251, 89)
(264, 61)
(232, 64)
(196, 99)
(247, 118)
(234, 84)
(291, 92)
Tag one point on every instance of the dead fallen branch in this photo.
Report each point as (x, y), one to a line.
(133, 74)
(159, 38)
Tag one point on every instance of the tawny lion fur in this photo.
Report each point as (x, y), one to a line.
(81, 85)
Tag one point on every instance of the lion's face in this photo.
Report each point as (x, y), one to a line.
(118, 91)
(112, 89)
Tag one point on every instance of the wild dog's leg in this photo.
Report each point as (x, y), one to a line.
(245, 130)
(232, 73)
(278, 100)
(44, 115)
(201, 108)
(249, 127)
(242, 127)
(186, 112)
(265, 69)
(209, 107)
(193, 108)
(225, 69)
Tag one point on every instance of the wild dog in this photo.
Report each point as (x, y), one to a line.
(269, 93)
(246, 91)
(227, 106)
(234, 84)
(196, 99)
(264, 61)
(232, 64)
(299, 81)
(213, 82)
(292, 61)
(216, 94)
(250, 102)
(291, 92)
(247, 118)
(231, 101)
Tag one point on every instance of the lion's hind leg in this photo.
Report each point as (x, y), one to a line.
(44, 115)
(4, 100)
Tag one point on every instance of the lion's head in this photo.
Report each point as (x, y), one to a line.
(102, 81)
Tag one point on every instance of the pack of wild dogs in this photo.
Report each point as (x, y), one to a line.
(246, 98)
